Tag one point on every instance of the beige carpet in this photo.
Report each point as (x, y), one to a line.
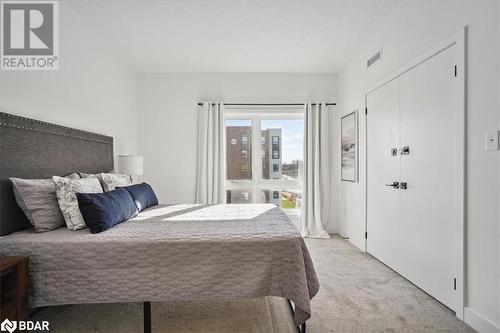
(358, 294)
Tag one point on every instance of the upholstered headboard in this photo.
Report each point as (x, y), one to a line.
(35, 149)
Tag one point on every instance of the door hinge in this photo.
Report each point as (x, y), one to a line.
(366, 110)
(366, 234)
(455, 284)
(455, 70)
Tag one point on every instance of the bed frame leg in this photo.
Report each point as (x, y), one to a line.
(147, 317)
(302, 327)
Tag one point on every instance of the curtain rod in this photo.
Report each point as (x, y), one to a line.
(266, 104)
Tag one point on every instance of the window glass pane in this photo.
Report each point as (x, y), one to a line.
(289, 200)
(238, 196)
(238, 149)
(282, 145)
(280, 153)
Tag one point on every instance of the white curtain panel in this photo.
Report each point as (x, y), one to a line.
(210, 169)
(316, 191)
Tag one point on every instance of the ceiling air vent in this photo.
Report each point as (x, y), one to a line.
(376, 57)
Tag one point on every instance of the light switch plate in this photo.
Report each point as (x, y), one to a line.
(491, 141)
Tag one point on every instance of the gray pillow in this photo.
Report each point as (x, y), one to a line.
(37, 199)
(66, 190)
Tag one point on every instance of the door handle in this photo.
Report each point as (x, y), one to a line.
(394, 184)
(403, 185)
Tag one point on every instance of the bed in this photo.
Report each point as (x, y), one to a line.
(168, 252)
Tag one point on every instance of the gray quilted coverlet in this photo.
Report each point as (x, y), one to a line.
(175, 252)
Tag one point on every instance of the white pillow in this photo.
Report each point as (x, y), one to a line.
(66, 190)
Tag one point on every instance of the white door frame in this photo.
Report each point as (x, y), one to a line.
(458, 39)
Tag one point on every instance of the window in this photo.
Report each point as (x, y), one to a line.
(276, 146)
(239, 161)
(269, 168)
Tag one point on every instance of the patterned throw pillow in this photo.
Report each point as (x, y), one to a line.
(97, 175)
(66, 190)
(73, 175)
(112, 180)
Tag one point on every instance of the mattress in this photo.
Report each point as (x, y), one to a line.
(172, 252)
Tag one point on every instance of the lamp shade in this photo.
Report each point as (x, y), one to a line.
(130, 164)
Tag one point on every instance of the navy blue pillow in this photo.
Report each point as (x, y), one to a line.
(143, 195)
(101, 211)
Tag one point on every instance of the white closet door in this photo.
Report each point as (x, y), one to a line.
(430, 127)
(383, 169)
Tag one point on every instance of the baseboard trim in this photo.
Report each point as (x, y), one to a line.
(478, 322)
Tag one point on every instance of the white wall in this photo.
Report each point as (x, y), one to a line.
(406, 33)
(93, 90)
(168, 118)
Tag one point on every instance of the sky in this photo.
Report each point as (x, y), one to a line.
(292, 132)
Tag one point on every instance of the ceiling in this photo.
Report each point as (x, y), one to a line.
(235, 36)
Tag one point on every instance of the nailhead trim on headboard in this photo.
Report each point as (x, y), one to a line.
(10, 120)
